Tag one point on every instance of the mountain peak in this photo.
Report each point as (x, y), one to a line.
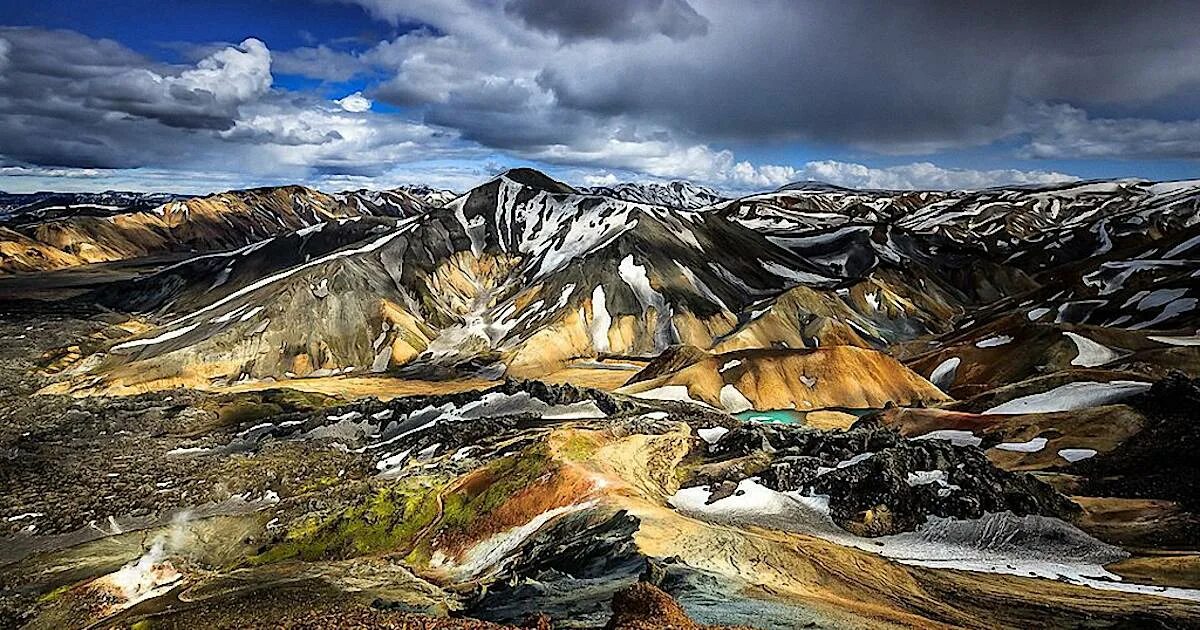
(537, 179)
(814, 185)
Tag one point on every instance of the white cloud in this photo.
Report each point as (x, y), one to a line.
(355, 103)
(719, 169)
(601, 179)
(486, 85)
(923, 175)
(5, 48)
(1063, 131)
(231, 75)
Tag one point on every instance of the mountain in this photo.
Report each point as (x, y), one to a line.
(19, 209)
(520, 276)
(840, 376)
(56, 231)
(527, 397)
(684, 195)
(524, 275)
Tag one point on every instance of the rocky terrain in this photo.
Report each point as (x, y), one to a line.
(636, 406)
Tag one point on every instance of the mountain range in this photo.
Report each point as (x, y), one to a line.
(832, 406)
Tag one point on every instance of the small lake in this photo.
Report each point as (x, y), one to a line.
(792, 416)
(778, 416)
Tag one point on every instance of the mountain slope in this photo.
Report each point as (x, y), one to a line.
(684, 195)
(520, 276)
(524, 275)
(38, 241)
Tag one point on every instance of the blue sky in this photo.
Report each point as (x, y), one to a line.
(206, 95)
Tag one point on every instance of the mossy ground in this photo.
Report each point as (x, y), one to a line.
(387, 519)
(406, 516)
(579, 446)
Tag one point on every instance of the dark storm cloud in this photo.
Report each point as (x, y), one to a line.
(615, 20)
(895, 76)
(69, 100)
(72, 100)
(659, 87)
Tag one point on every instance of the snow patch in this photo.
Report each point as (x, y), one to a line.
(582, 410)
(601, 320)
(712, 435)
(954, 436)
(994, 341)
(1089, 353)
(943, 375)
(1073, 455)
(166, 336)
(733, 400)
(1078, 395)
(1032, 446)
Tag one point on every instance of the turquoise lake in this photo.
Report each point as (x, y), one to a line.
(790, 416)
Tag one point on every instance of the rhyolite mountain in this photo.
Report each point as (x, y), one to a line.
(523, 275)
(809, 406)
(520, 276)
(49, 231)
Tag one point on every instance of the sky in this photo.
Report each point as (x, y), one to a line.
(196, 96)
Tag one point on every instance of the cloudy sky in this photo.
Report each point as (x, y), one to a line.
(203, 95)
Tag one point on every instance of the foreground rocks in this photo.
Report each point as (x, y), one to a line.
(880, 483)
(1163, 460)
(646, 607)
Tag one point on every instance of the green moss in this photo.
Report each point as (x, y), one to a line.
(295, 400)
(389, 519)
(245, 411)
(578, 447)
(144, 624)
(54, 595)
(320, 483)
(245, 407)
(507, 476)
(403, 517)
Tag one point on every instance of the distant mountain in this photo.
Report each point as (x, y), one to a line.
(431, 197)
(23, 209)
(49, 231)
(814, 185)
(519, 276)
(673, 195)
(523, 274)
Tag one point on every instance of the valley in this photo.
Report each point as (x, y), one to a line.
(626, 406)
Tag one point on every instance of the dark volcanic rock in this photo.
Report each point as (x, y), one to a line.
(879, 483)
(1161, 461)
(570, 570)
(876, 496)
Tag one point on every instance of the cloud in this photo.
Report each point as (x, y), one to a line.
(704, 165)
(204, 97)
(601, 179)
(5, 47)
(79, 103)
(355, 103)
(900, 78)
(923, 176)
(616, 20)
(649, 88)
(892, 77)
(320, 62)
(1063, 131)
